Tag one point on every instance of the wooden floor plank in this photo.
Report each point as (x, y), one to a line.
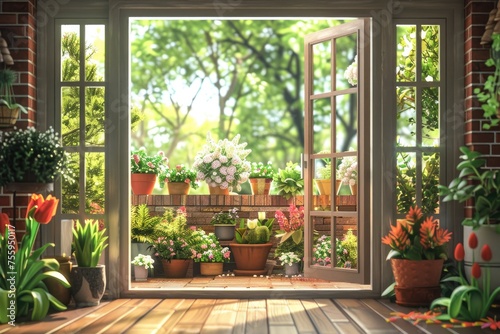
(241, 317)
(127, 319)
(179, 311)
(282, 329)
(318, 318)
(193, 320)
(300, 317)
(278, 312)
(223, 315)
(155, 318)
(331, 310)
(256, 322)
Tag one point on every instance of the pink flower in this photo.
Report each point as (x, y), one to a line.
(151, 165)
(198, 255)
(136, 158)
(204, 246)
(178, 167)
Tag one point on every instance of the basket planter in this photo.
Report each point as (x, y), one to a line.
(211, 268)
(143, 184)
(260, 185)
(417, 282)
(8, 117)
(224, 232)
(218, 191)
(175, 268)
(250, 259)
(178, 188)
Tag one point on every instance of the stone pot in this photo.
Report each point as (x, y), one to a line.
(140, 273)
(291, 269)
(224, 232)
(88, 285)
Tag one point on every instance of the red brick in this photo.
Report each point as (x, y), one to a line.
(8, 18)
(5, 200)
(15, 7)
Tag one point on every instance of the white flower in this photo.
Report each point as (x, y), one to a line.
(223, 170)
(223, 159)
(207, 158)
(252, 223)
(231, 170)
(216, 164)
(351, 72)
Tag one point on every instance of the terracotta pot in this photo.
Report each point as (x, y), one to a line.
(324, 186)
(417, 282)
(211, 268)
(291, 269)
(250, 259)
(175, 268)
(218, 191)
(143, 184)
(88, 285)
(260, 186)
(224, 232)
(178, 188)
(140, 273)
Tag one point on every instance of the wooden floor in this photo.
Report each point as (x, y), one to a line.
(221, 316)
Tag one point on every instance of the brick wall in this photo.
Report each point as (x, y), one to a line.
(18, 27)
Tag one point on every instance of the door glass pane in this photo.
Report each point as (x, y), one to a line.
(322, 187)
(346, 242)
(346, 67)
(322, 242)
(71, 191)
(94, 183)
(70, 120)
(430, 182)
(94, 116)
(430, 116)
(322, 127)
(94, 53)
(430, 53)
(70, 53)
(406, 55)
(406, 116)
(346, 183)
(322, 68)
(406, 181)
(346, 123)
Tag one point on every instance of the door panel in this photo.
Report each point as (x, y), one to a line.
(336, 154)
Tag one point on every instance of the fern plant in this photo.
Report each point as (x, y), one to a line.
(142, 224)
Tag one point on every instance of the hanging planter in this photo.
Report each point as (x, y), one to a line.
(9, 109)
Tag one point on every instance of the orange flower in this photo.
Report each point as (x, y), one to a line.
(397, 237)
(45, 208)
(459, 252)
(4, 222)
(442, 236)
(414, 214)
(428, 232)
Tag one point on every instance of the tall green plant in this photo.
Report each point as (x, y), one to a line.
(88, 243)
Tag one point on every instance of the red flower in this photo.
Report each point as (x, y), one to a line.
(476, 270)
(414, 214)
(45, 208)
(486, 253)
(4, 222)
(473, 240)
(459, 252)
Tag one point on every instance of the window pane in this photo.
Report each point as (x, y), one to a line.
(322, 113)
(322, 243)
(406, 116)
(70, 99)
(322, 188)
(346, 73)
(406, 57)
(430, 182)
(430, 53)
(430, 116)
(346, 242)
(346, 183)
(94, 183)
(94, 116)
(406, 181)
(70, 53)
(322, 68)
(71, 191)
(94, 53)
(346, 126)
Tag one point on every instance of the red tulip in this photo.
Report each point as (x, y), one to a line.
(476, 270)
(473, 240)
(4, 222)
(45, 208)
(459, 252)
(486, 254)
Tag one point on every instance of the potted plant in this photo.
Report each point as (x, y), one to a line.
(32, 156)
(322, 251)
(346, 250)
(144, 169)
(261, 177)
(324, 176)
(209, 253)
(347, 174)
(252, 246)
(291, 233)
(142, 230)
(179, 180)
(418, 250)
(172, 243)
(481, 186)
(22, 270)
(141, 265)
(224, 223)
(88, 278)
(290, 262)
(222, 164)
(9, 109)
(288, 181)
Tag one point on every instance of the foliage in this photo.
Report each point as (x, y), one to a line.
(322, 251)
(29, 152)
(255, 232)
(179, 174)
(325, 172)
(469, 302)
(289, 258)
(22, 289)
(347, 171)
(141, 162)
(478, 183)
(206, 248)
(226, 218)
(142, 224)
(222, 163)
(142, 260)
(293, 227)
(7, 79)
(290, 246)
(489, 95)
(417, 238)
(259, 170)
(172, 237)
(288, 181)
(88, 242)
(347, 250)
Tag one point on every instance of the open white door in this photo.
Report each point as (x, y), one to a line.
(337, 137)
